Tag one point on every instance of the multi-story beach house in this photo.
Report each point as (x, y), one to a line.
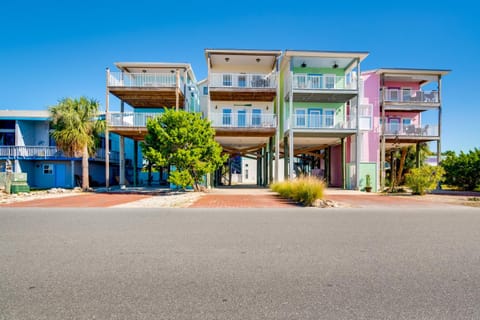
(240, 99)
(320, 115)
(407, 111)
(27, 146)
(144, 90)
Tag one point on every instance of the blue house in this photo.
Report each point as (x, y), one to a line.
(26, 145)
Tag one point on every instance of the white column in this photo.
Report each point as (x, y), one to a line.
(107, 143)
(357, 135)
(277, 136)
(290, 135)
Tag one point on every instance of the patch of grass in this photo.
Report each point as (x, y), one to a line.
(474, 199)
(304, 190)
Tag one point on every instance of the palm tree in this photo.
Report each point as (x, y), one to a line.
(76, 128)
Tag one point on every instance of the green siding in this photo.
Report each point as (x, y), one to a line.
(337, 72)
(371, 169)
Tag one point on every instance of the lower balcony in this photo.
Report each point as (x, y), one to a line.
(310, 121)
(244, 124)
(130, 124)
(47, 153)
(411, 133)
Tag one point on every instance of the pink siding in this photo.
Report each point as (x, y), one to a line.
(370, 143)
(396, 84)
(336, 166)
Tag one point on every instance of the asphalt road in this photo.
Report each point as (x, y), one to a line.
(301, 263)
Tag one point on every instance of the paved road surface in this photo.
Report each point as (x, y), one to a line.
(301, 263)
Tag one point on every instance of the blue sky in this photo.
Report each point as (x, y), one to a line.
(55, 49)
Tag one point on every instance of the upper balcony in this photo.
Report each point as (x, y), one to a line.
(321, 88)
(47, 153)
(149, 89)
(407, 99)
(242, 86)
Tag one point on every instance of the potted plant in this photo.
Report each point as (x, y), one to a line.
(368, 183)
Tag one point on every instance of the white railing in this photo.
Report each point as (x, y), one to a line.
(426, 130)
(150, 80)
(406, 95)
(242, 80)
(130, 119)
(247, 120)
(36, 152)
(322, 122)
(323, 82)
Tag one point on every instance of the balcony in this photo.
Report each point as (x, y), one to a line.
(147, 89)
(402, 98)
(130, 124)
(47, 153)
(324, 122)
(411, 132)
(322, 88)
(242, 87)
(244, 124)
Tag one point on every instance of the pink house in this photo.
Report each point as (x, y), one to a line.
(406, 111)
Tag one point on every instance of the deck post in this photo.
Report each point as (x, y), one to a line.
(107, 143)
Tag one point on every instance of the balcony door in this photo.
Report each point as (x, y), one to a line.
(394, 125)
(315, 118)
(241, 118)
(256, 117)
(226, 117)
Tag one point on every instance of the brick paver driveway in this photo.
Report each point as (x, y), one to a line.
(83, 200)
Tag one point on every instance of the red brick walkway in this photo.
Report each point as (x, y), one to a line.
(87, 200)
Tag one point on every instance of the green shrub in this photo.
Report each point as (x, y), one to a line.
(425, 178)
(304, 189)
(182, 179)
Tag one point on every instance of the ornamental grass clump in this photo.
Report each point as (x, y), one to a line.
(304, 190)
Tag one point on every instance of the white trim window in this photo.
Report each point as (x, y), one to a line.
(226, 117)
(330, 81)
(406, 94)
(300, 117)
(329, 118)
(48, 169)
(365, 116)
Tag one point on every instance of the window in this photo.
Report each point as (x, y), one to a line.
(315, 80)
(241, 118)
(330, 81)
(227, 80)
(242, 81)
(7, 138)
(365, 116)
(393, 126)
(256, 117)
(205, 91)
(329, 118)
(227, 117)
(406, 94)
(393, 94)
(315, 118)
(300, 117)
(48, 169)
(300, 80)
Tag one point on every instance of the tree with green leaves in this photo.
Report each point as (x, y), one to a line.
(187, 142)
(462, 171)
(76, 129)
